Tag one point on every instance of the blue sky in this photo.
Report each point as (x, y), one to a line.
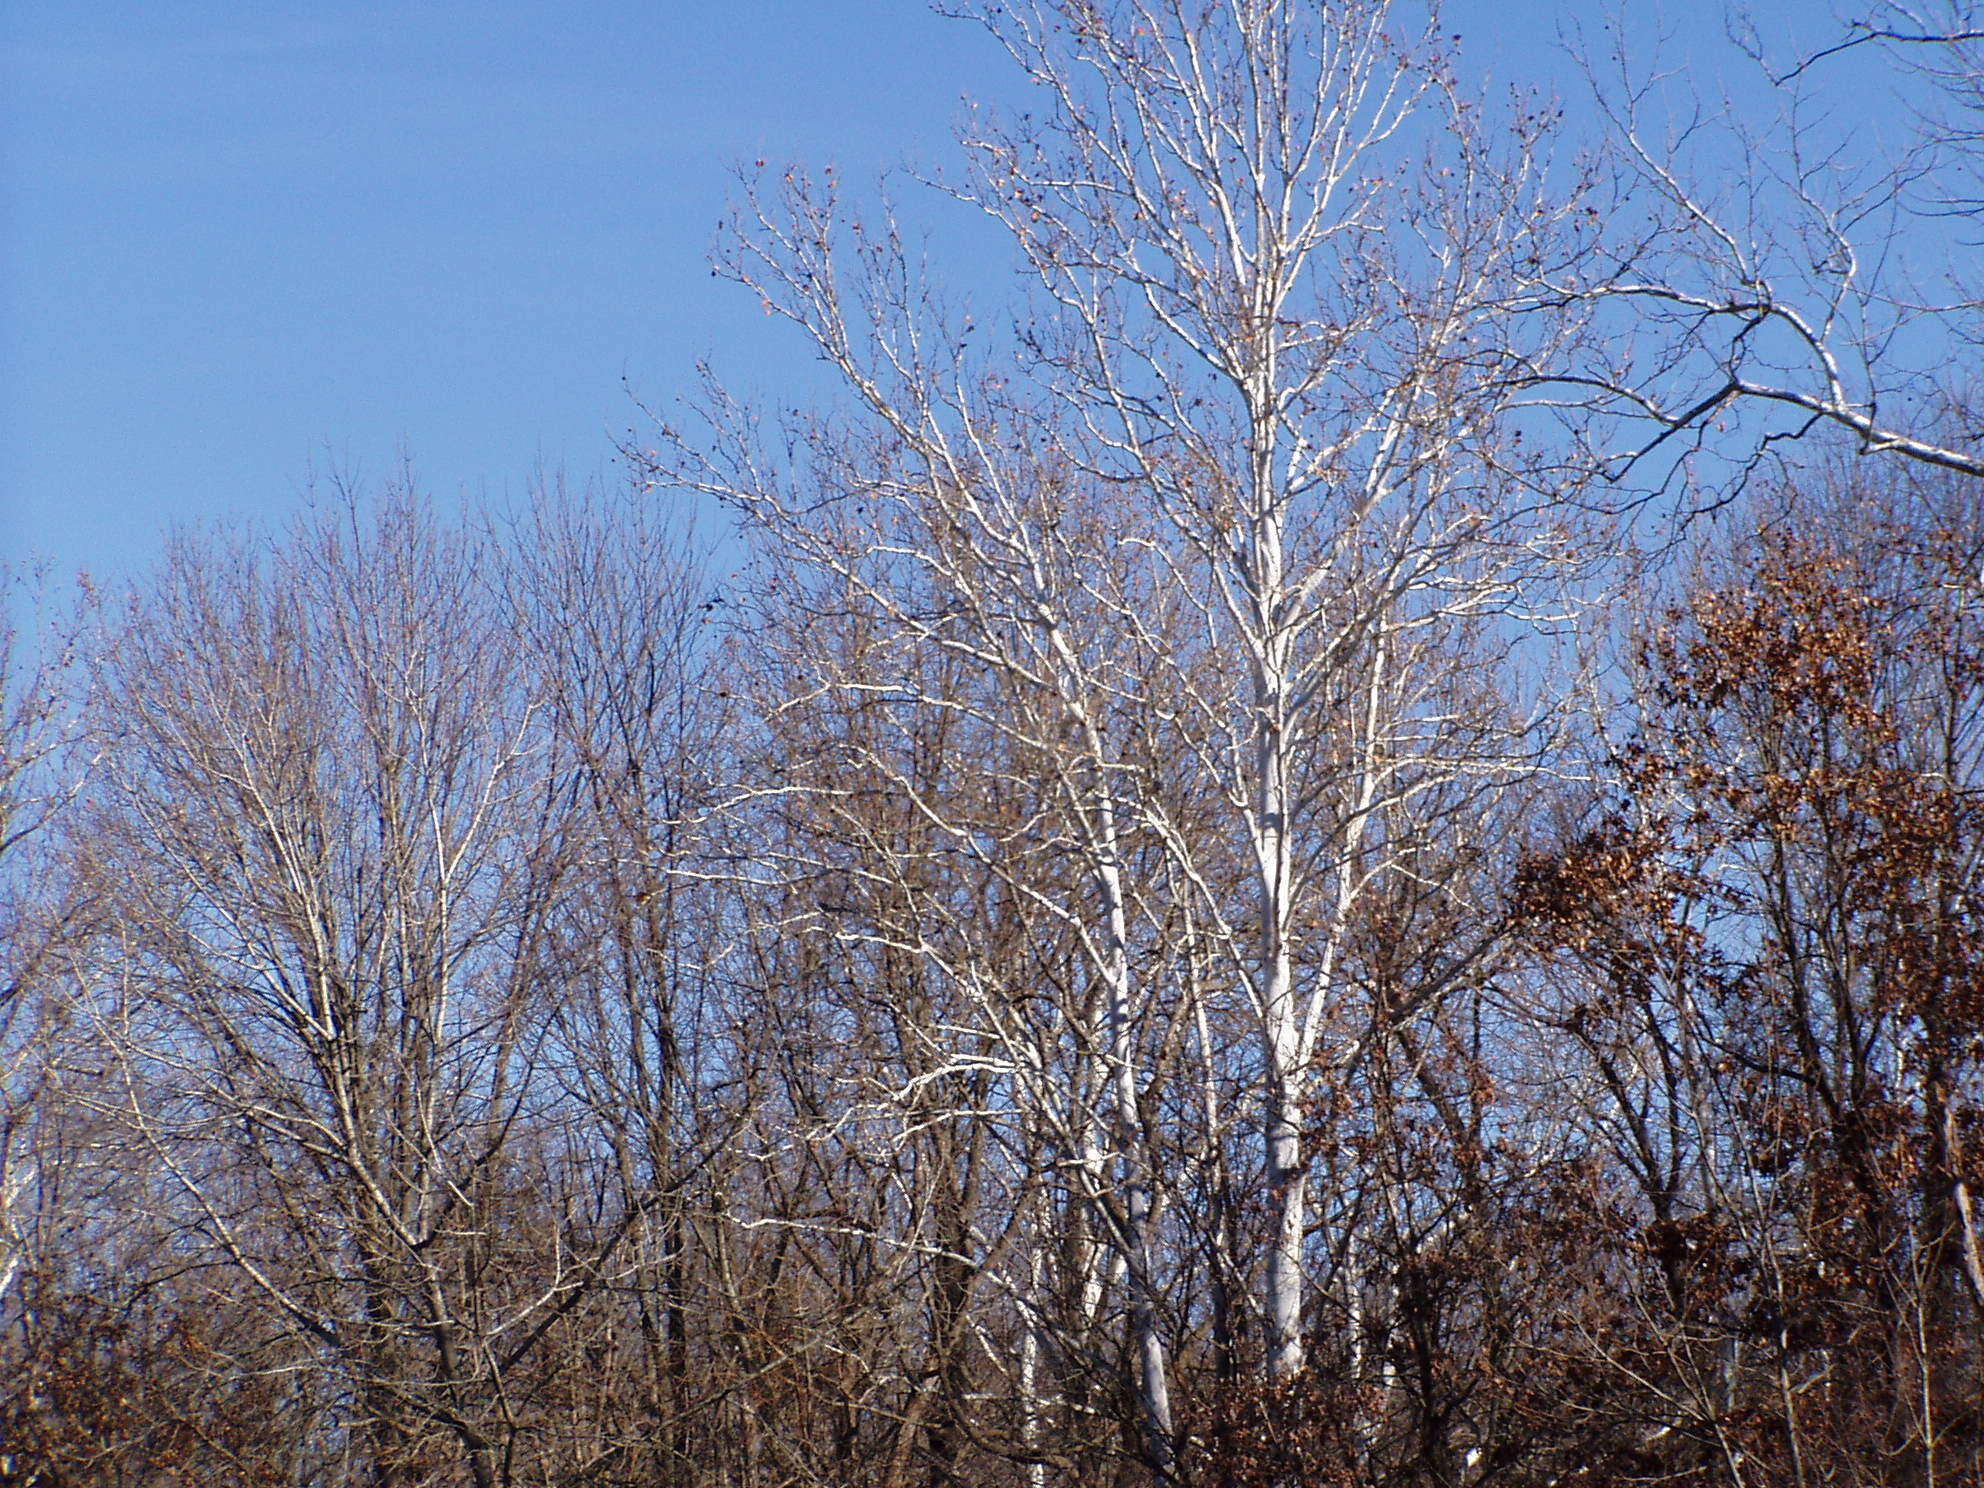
(241, 241)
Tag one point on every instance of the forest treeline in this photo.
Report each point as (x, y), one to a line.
(1343, 850)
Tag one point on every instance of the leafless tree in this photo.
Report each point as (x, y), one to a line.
(618, 616)
(328, 817)
(1249, 474)
(33, 704)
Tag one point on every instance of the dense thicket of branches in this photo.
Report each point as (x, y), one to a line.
(479, 1019)
(1192, 912)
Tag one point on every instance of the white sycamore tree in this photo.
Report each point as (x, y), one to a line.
(1225, 508)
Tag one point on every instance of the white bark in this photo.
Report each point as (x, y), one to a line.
(1309, 411)
(1254, 443)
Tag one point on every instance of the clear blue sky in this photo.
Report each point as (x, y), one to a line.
(242, 238)
(237, 240)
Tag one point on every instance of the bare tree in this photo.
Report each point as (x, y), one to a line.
(1248, 472)
(615, 606)
(964, 750)
(33, 705)
(328, 822)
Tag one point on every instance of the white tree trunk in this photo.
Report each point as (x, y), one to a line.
(1153, 1383)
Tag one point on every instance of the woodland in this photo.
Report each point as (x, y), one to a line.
(1334, 837)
